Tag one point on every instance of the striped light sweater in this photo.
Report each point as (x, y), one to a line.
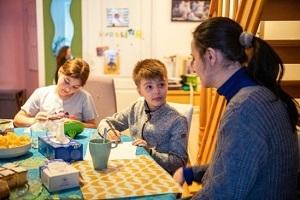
(256, 151)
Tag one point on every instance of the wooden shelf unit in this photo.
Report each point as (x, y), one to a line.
(181, 96)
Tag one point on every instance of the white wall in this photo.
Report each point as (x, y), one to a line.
(161, 38)
(169, 37)
(126, 92)
(40, 42)
(282, 30)
(95, 33)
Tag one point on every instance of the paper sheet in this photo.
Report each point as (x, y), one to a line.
(123, 151)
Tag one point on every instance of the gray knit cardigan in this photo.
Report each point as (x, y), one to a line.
(256, 152)
(166, 131)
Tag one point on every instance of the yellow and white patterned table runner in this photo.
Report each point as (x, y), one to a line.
(126, 178)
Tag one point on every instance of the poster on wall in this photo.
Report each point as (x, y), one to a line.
(100, 50)
(117, 17)
(111, 62)
(190, 10)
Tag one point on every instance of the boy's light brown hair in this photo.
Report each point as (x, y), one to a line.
(149, 69)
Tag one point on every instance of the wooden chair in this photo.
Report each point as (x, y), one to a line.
(209, 138)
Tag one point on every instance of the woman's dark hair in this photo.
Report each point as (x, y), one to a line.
(264, 65)
(60, 60)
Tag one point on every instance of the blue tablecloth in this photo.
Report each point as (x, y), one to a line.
(35, 190)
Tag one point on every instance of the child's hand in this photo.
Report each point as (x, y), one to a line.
(114, 136)
(55, 116)
(70, 120)
(178, 176)
(140, 142)
(73, 117)
(41, 116)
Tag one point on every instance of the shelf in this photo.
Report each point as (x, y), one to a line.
(181, 96)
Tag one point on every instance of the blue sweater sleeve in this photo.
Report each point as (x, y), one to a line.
(188, 175)
(196, 173)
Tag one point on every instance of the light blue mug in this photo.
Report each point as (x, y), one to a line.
(100, 151)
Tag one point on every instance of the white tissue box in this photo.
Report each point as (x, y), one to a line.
(58, 175)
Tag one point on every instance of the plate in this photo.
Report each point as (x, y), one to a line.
(15, 151)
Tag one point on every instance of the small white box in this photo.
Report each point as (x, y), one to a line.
(59, 176)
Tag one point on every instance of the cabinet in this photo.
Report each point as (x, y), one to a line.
(11, 102)
(181, 96)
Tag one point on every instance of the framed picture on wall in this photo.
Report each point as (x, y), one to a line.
(190, 10)
(117, 17)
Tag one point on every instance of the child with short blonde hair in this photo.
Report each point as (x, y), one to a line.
(155, 125)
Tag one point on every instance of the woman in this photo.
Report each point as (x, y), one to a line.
(256, 151)
(66, 99)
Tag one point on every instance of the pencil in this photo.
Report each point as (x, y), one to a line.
(112, 128)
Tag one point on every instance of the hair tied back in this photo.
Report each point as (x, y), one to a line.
(246, 39)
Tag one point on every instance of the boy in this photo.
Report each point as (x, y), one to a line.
(153, 124)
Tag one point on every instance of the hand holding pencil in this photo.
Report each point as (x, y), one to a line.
(113, 134)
